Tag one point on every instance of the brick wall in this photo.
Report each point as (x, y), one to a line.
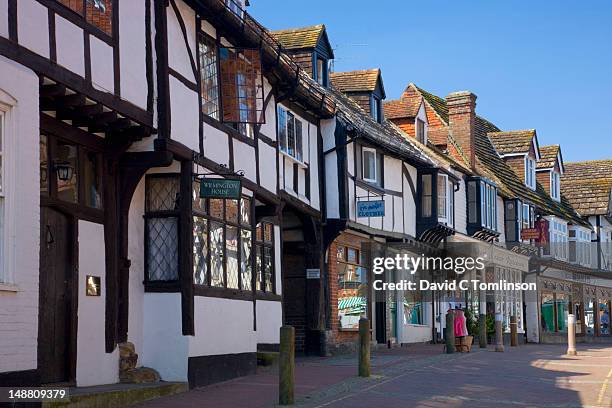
(304, 60)
(19, 309)
(462, 122)
(517, 164)
(543, 178)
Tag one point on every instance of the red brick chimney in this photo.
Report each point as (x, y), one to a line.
(462, 122)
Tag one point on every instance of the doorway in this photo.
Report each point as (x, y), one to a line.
(57, 298)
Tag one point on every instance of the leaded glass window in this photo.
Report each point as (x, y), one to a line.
(264, 252)
(223, 243)
(209, 77)
(161, 215)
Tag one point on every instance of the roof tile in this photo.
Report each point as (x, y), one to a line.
(355, 81)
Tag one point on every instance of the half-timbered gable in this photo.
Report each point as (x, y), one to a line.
(232, 108)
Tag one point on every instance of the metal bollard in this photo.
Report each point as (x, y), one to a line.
(364, 347)
(482, 330)
(286, 369)
(449, 333)
(513, 331)
(499, 333)
(571, 335)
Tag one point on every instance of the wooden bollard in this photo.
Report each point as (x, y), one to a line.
(571, 335)
(449, 332)
(499, 332)
(364, 347)
(513, 331)
(286, 369)
(482, 330)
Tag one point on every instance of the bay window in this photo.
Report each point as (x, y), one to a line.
(482, 205)
(290, 134)
(229, 251)
(352, 285)
(530, 177)
(558, 236)
(446, 199)
(579, 246)
(231, 84)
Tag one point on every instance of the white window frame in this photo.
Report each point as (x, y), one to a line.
(449, 199)
(7, 231)
(298, 154)
(3, 267)
(555, 185)
(559, 239)
(530, 177)
(363, 164)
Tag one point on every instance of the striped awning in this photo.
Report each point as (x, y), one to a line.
(351, 302)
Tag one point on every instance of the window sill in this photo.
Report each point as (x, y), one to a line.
(9, 287)
(294, 160)
(349, 330)
(417, 325)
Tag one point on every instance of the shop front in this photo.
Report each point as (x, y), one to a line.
(581, 296)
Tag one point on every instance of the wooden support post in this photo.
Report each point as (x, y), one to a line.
(449, 332)
(364, 347)
(482, 330)
(513, 331)
(286, 369)
(499, 332)
(571, 335)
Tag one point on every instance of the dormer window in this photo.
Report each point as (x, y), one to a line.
(555, 185)
(368, 156)
(376, 109)
(530, 177)
(320, 71)
(420, 131)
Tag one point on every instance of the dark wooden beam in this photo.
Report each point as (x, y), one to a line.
(52, 90)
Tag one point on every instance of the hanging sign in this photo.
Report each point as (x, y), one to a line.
(220, 188)
(530, 233)
(313, 274)
(371, 208)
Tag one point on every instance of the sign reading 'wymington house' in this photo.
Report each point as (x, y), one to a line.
(371, 208)
(220, 188)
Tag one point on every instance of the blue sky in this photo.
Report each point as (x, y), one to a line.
(533, 64)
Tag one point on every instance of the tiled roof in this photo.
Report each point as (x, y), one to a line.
(548, 156)
(489, 164)
(401, 108)
(514, 141)
(587, 186)
(298, 38)
(355, 81)
(384, 134)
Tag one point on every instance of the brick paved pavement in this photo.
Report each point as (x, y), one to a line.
(423, 377)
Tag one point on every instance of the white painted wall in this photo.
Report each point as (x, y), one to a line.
(269, 321)
(164, 348)
(94, 366)
(215, 144)
(69, 43)
(267, 166)
(33, 26)
(222, 326)
(185, 114)
(244, 159)
(136, 233)
(4, 18)
(132, 52)
(19, 299)
(102, 70)
(178, 55)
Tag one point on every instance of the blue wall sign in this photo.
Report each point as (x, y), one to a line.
(371, 208)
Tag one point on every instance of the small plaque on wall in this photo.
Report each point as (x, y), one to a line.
(92, 286)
